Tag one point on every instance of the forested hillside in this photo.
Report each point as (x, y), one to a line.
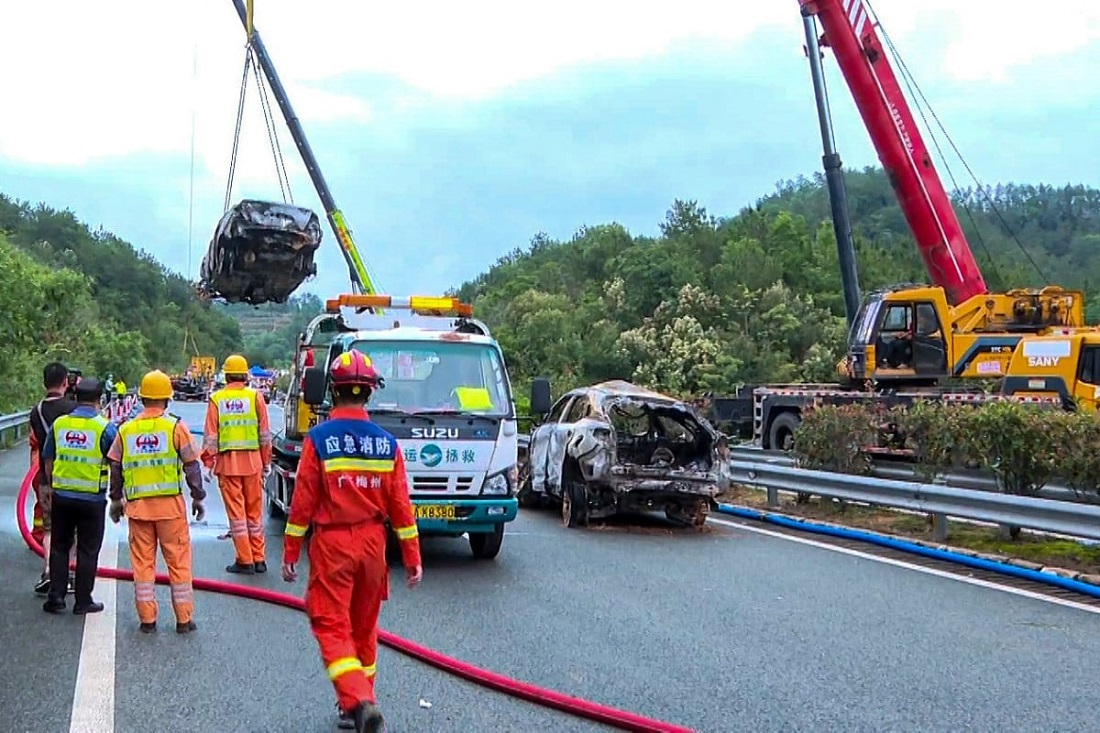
(270, 331)
(712, 303)
(93, 301)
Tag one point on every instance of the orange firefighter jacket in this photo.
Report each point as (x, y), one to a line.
(351, 471)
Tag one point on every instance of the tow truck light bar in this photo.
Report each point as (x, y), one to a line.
(435, 305)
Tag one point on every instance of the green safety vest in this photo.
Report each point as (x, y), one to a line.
(151, 464)
(238, 421)
(79, 464)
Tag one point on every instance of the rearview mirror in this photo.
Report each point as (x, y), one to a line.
(314, 385)
(541, 401)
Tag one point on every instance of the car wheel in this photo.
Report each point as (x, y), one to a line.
(574, 504)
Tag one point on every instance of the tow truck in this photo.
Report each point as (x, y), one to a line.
(447, 399)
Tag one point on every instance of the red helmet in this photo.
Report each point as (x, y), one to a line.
(354, 369)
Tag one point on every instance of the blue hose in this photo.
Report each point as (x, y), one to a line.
(1087, 589)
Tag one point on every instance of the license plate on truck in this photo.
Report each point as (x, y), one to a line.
(435, 511)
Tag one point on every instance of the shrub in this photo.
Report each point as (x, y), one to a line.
(833, 437)
(1024, 446)
(1078, 436)
(1019, 443)
(933, 432)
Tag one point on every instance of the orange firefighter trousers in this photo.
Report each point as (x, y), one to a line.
(174, 537)
(244, 502)
(348, 581)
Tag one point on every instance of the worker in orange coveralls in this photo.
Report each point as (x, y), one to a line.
(151, 455)
(350, 480)
(236, 446)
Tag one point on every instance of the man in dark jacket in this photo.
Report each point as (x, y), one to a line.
(55, 378)
(75, 456)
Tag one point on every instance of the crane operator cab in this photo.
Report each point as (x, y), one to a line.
(897, 339)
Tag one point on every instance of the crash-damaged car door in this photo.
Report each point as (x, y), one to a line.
(547, 449)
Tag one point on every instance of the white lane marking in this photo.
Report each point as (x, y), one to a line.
(94, 697)
(909, 566)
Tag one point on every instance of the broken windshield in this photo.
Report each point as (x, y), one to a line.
(448, 376)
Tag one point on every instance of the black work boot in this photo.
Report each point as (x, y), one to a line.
(368, 718)
(260, 567)
(345, 721)
(53, 605)
(149, 627)
(186, 628)
(240, 568)
(86, 608)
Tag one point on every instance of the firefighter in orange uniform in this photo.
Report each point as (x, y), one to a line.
(350, 481)
(236, 445)
(151, 455)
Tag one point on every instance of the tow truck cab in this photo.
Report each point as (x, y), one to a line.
(448, 401)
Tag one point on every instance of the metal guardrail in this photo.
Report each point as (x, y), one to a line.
(976, 480)
(941, 500)
(14, 427)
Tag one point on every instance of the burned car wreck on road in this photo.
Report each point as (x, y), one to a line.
(261, 252)
(615, 448)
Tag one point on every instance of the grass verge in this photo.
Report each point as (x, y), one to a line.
(1029, 549)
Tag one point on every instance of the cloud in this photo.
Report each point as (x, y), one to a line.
(450, 136)
(110, 79)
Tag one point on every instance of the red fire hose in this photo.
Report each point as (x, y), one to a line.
(620, 719)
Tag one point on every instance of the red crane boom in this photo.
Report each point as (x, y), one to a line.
(924, 201)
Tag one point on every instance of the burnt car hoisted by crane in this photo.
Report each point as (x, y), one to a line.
(616, 447)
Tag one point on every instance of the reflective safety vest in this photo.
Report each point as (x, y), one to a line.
(238, 421)
(151, 464)
(79, 464)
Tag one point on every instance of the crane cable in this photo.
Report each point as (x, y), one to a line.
(919, 97)
(251, 65)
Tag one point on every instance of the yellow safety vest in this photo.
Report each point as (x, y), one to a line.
(238, 421)
(151, 464)
(79, 464)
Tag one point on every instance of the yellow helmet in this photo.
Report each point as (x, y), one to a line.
(235, 364)
(155, 386)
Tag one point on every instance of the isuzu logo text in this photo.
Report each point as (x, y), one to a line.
(435, 432)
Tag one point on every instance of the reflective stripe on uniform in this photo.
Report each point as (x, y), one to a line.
(151, 464)
(344, 665)
(79, 464)
(295, 530)
(406, 533)
(377, 465)
(238, 420)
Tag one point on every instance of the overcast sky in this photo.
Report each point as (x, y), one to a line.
(451, 133)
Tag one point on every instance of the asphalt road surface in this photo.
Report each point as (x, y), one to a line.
(728, 630)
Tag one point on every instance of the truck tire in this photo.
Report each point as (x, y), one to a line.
(486, 545)
(781, 431)
(272, 489)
